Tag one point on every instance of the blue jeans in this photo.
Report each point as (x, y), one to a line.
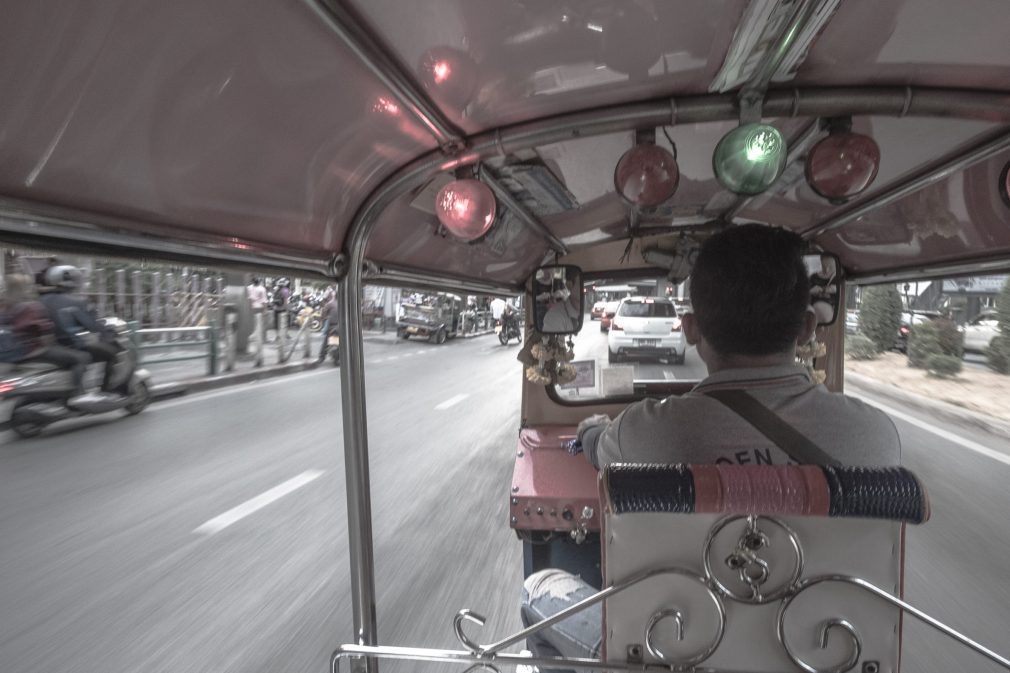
(548, 592)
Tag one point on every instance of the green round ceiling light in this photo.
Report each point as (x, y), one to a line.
(749, 158)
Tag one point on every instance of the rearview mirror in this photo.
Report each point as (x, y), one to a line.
(825, 286)
(557, 299)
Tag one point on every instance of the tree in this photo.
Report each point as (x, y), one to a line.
(880, 315)
(998, 352)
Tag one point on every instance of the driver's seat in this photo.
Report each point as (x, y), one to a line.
(756, 568)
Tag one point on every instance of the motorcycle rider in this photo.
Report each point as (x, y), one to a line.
(33, 331)
(71, 316)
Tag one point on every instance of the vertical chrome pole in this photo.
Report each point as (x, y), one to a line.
(359, 499)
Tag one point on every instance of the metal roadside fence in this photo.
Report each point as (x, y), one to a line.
(206, 337)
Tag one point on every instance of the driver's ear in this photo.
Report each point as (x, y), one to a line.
(809, 325)
(690, 326)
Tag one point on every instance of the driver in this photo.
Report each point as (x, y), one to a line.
(70, 315)
(751, 309)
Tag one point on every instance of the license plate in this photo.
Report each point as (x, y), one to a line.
(648, 343)
(333, 341)
(497, 329)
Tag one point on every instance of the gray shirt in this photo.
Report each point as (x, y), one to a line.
(695, 428)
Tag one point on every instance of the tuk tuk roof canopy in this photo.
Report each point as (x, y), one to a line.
(271, 135)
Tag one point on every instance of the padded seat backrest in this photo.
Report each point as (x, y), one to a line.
(740, 550)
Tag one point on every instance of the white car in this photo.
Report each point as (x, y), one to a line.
(646, 327)
(980, 332)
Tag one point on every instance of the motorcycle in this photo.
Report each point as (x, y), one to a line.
(44, 394)
(507, 328)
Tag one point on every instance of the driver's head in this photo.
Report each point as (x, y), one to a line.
(750, 291)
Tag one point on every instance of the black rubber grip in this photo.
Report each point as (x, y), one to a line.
(876, 493)
(649, 487)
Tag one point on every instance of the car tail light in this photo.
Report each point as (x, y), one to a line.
(904, 330)
(6, 387)
(614, 325)
(676, 325)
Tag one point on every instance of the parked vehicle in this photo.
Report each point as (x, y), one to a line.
(609, 309)
(980, 331)
(596, 312)
(908, 323)
(437, 320)
(646, 328)
(44, 394)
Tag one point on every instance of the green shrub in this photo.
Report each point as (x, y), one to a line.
(880, 315)
(938, 337)
(943, 366)
(923, 343)
(950, 337)
(859, 347)
(998, 354)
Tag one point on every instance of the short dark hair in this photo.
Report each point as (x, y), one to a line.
(750, 290)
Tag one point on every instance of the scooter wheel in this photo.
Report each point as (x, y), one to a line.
(141, 398)
(22, 427)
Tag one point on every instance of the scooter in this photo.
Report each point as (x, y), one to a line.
(44, 394)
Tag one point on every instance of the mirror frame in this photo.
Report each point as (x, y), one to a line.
(831, 299)
(570, 271)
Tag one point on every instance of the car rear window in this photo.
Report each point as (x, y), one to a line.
(641, 309)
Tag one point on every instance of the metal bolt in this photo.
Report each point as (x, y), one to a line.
(871, 667)
(515, 489)
(540, 511)
(526, 511)
(515, 520)
(520, 454)
(515, 501)
(587, 512)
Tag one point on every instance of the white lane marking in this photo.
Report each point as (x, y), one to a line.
(939, 432)
(219, 523)
(451, 402)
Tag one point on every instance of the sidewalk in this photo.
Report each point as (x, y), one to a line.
(976, 397)
(177, 378)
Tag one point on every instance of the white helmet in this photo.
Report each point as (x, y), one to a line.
(64, 276)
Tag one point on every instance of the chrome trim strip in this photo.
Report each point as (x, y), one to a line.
(803, 11)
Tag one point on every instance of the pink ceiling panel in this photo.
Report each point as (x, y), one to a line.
(490, 63)
(920, 42)
(226, 117)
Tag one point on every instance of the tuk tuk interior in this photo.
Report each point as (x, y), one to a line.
(460, 146)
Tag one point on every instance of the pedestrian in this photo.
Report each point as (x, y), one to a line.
(257, 295)
(331, 320)
(282, 295)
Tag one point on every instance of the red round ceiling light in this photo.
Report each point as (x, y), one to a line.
(842, 165)
(646, 175)
(466, 208)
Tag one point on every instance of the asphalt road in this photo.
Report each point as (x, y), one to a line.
(209, 532)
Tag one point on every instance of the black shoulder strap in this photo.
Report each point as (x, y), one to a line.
(785, 436)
